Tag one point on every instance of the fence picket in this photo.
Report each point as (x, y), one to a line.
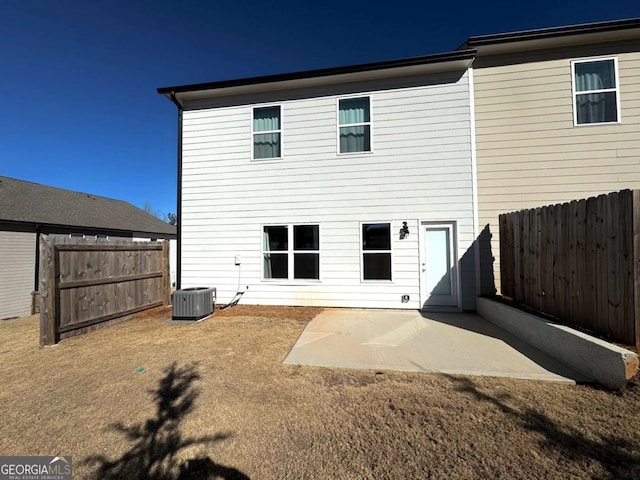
(508, 262)
(613, 268)
(625, 323)
(572, 273)
(635, 261)
(590, 273)
(584, 267)
(546, 258)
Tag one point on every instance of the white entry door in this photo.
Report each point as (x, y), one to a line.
(439, 268)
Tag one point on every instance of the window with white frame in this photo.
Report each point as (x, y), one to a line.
(595, 91)
(354, 125)
(291, 252)
(376, 251)
(267, 132)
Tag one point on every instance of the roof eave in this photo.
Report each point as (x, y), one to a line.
(87, 228)
(455, 56)
(553, 32)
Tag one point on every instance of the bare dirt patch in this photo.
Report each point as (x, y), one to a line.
(152, 399)
(303, 314)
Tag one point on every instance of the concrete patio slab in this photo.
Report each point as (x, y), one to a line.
(453, 343)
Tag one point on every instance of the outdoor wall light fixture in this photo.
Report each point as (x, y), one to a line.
(404, 231)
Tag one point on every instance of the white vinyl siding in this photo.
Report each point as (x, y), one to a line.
(18, 260)
(530, 154)
(420, 171)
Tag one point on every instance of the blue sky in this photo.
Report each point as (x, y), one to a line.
(79, 78)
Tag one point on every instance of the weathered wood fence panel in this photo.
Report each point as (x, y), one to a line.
(579, 261)
(87, 284)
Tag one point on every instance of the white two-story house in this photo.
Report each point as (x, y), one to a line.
(344, 187)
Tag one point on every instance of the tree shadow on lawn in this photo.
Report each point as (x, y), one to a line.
(619, 457)
(157, 441)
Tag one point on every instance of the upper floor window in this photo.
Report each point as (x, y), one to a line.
(596, 96)
(267, 132)
(354, 119)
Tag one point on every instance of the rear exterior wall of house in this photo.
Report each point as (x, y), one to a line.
(419, 171)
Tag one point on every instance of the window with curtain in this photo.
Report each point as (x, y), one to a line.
(275, 251)
(291, 252)
(376, 251)
(595, 91)
(354, 119)
(267, 132)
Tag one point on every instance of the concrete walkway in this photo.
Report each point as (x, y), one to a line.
(453, 343)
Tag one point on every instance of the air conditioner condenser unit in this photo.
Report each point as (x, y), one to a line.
(193, 304)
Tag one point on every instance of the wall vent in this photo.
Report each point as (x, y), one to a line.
(193, 304)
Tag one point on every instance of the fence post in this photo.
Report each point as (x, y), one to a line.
(166, 277)
(47, 292)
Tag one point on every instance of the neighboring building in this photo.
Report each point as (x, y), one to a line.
(28, 210)
(557, 118)
(346, 187)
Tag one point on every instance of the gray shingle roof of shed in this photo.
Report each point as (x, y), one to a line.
(28, 202)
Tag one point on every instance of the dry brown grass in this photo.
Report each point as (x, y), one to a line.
(250, 416)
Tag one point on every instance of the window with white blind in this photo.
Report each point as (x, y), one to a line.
(596, 95)
(267, 132)
(354, 125)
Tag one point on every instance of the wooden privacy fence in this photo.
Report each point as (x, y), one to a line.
(578, 261)
(87, 284)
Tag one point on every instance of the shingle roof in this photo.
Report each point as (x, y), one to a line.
(34, 203)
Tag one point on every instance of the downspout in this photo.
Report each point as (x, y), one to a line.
(474, 182)
(179, 195)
